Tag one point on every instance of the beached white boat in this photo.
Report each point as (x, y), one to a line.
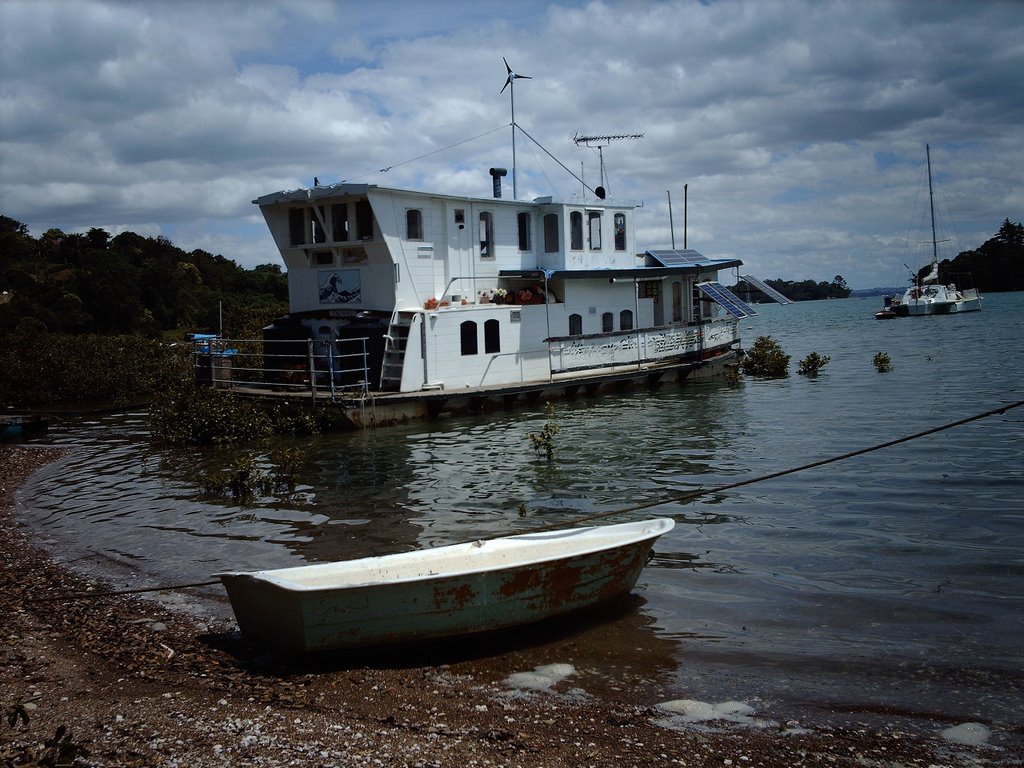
(440, 592)
(926, 295)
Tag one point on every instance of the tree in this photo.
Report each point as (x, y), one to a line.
(839, 289)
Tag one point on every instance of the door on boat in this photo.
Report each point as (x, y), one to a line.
(461, 235)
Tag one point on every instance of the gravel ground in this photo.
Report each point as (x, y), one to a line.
(122, 681)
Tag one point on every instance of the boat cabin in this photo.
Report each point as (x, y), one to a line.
(447, 292)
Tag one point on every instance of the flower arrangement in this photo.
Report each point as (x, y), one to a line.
(499, 295)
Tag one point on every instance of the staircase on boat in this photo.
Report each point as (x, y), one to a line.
(394, 351)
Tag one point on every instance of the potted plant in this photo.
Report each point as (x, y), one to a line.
(499, 295)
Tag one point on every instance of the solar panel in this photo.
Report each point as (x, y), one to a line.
(766, 289)
(729, 301)
(673, 258)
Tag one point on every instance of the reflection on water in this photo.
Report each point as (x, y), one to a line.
(886, 580)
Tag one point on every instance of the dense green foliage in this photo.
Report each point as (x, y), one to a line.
(128, 284)
(766, 359)
(41, 369)
(998, 265)
(811, 365)
(187, 413)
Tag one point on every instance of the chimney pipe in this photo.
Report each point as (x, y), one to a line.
(496, 174)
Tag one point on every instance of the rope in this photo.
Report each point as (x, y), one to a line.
(689, 496)
(388, 168)
(112, 593)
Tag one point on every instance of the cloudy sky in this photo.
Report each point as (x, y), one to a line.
(798, 127)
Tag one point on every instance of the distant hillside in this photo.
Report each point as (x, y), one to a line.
(998, 265)
(128, 284)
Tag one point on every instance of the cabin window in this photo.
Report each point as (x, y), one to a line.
(620, 231)
(486, 235)
(576, 231)
(551, 244)
(319, 234)
(364, 220)
(323, 258)
(524, 231)
(626, 320)
(575, 325)
(677, 302)
(607, 322)
(339, 221)
(297, 226)
(492, 337)
(594, 228)
(469, 343)
(414, 224)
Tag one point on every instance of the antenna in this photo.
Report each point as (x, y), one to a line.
(600, 142)
(510, 84)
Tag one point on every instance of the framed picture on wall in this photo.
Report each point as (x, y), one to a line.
(339, 286)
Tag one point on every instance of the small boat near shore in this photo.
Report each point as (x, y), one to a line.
(444, 591)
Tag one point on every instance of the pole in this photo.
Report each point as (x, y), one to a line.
(685, 212)
(931, 205)
(512, 95)
(671, 225)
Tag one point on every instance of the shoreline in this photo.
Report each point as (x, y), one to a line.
(135, 683)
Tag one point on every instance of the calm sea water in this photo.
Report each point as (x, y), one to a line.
(890, 585)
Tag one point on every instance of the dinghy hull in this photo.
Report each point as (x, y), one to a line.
(448, 591)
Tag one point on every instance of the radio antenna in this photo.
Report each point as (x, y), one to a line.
(599, 143)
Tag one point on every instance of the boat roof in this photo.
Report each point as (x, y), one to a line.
(658, 264)
(347, 189)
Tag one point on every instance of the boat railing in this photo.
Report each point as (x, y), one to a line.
(313, 367)
(641, 346)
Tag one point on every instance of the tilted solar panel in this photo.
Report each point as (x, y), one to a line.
(729, 301)
(766, 289)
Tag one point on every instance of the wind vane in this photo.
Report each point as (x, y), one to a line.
(600, 142)
(510, 84)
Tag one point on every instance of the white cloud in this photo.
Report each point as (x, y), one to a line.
(799, 126)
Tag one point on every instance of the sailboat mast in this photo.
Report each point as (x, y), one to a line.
(931, 204)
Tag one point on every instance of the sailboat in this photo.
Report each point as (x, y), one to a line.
(926, 295)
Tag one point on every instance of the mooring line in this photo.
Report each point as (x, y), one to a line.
(689, 496)
(115, 592)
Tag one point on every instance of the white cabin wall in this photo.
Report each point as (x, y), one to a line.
(522, 357)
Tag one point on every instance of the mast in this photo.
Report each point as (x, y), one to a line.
(931, 205)
(510, 84)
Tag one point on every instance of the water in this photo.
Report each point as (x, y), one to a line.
(886, 586)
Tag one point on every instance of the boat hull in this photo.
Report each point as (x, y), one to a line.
(447, 591)
(923, 308)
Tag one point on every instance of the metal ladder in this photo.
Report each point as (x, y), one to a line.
(394, 350)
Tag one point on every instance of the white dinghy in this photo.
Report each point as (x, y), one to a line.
(440, 592)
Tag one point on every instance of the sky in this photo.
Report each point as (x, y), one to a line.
(798, 128)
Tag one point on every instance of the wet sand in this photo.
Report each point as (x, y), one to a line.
(125, 681)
